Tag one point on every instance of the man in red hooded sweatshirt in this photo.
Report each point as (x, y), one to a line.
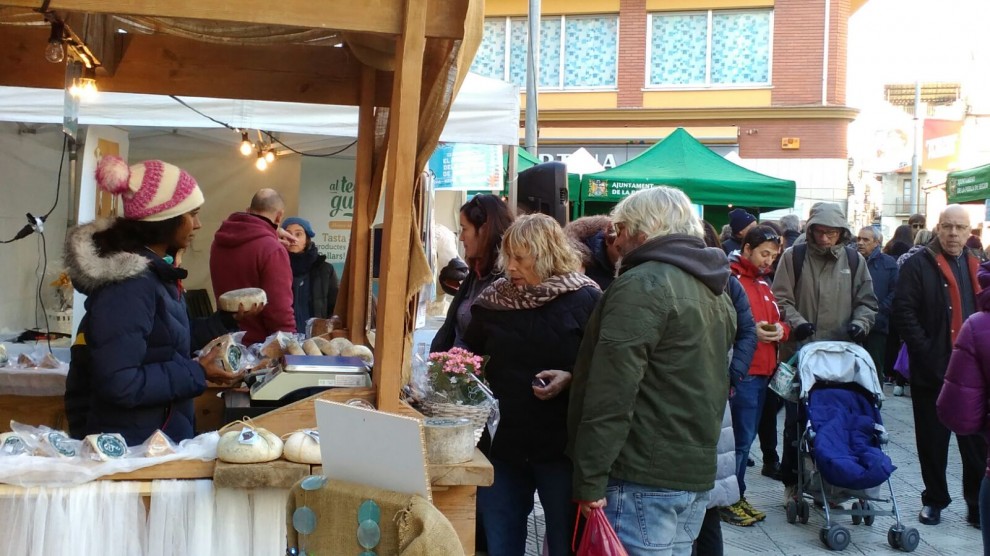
(246, 253)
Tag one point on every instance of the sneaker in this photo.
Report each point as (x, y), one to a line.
(790, 493)
(734, 515)
(898, 390)
(749, 509)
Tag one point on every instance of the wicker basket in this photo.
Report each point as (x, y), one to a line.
(478, 414)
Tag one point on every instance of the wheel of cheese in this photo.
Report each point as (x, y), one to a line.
(363, 352)
(310, 347)
(231, 354)
(232, 300)
(249, 445)
(338, 345)
(105, 446)
(303, 446)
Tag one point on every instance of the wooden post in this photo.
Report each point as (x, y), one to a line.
(360, 247)
(400, 176)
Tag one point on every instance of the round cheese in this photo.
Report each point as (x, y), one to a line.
(232, 300)
(363, 352)
(303, 446)
(249, 446)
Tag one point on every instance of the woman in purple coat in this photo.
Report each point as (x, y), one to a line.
(964, 402)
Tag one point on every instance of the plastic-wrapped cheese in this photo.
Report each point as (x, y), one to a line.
(311, 348)
(58, 444)
(3, 356)
(105, 446)
(11, 444)
(338, 345)
(231, 353)
(232, 300)
(49, 361)
(158, 444)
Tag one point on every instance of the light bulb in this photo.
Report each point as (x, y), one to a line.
(261, 163)
(83, 88)
(55, 52)
(246, 146)
(270, 156)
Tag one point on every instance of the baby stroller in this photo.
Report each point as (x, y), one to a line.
(841, 441)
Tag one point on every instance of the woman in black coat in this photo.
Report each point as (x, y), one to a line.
(483, 220)
(314, 281)
(530, 324)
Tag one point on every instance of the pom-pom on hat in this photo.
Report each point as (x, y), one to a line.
(151, 191)
(739, 219)
(301, 222)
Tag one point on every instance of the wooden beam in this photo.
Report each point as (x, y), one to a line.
(162, 64)
(400, 174)
(360, 247)
(445, 18)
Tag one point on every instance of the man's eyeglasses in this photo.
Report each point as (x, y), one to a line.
(826, 232)
(918, 226)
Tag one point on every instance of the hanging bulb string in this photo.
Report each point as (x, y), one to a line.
(271, 137)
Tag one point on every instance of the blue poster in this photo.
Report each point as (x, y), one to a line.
(461, 166)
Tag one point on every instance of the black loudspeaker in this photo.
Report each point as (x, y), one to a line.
(543, 188)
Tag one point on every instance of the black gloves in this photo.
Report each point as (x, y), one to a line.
(856, 333)
(804, 331)
(452, 275)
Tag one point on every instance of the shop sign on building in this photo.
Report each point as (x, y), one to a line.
(461, 166)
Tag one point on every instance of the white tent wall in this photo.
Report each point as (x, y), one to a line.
(228, 181)
(29, 164)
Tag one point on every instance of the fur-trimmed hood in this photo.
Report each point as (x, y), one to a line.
(88, 269)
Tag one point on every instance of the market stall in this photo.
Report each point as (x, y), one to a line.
(681, 161)
(400, 63)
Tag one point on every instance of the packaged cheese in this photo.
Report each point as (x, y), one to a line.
(104, 446)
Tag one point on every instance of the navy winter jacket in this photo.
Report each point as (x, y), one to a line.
(131, 370)
(883, 271)
(744, 345)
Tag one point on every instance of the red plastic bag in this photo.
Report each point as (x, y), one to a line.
(599, 538)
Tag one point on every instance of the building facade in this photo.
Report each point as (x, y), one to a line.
(762, 81)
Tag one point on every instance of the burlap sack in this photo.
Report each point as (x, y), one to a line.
(410, 525)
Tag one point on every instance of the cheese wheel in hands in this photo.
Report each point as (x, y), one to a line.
(232, 300)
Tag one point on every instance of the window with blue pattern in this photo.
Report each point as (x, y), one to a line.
(713, 48)
(576, 52)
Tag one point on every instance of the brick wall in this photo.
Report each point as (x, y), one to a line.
(819, 138)
(632, 53)
(798, 50)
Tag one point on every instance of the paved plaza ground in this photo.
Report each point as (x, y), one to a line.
(776, 536)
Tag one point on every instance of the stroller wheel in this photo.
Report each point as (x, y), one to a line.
(837, 538)
(856, 519)
(868, 519)
(894, 537)
(792, 511)
(803, 511)
(910, 539)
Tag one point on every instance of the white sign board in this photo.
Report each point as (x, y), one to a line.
(372, 448)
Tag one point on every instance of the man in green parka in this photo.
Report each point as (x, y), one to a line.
(650, 384)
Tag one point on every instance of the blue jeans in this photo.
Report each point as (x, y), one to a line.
(651, 520)
(985, 514)
(505, 506)
(747, 408)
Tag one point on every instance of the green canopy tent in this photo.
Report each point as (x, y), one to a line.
(968, 185)
(681, 161)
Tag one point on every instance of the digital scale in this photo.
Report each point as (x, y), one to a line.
(297, 372)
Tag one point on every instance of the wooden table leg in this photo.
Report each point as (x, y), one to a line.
(459, 504)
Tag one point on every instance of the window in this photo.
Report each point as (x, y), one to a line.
(714, 48)
(576, 52)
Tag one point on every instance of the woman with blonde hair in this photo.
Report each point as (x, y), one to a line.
(530, 324)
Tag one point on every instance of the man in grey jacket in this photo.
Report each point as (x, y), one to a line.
(829, 297)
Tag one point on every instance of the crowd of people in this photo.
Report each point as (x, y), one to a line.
(641, 388)
(630, 353)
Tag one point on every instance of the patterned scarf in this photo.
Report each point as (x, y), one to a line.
(502, 295)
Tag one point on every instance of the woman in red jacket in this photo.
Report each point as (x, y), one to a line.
(760, 246)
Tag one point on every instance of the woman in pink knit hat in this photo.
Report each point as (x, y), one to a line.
(132, 370)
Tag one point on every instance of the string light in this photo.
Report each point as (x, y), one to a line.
(83, 88)
(270, 155)
(246, 146)
(261, 163)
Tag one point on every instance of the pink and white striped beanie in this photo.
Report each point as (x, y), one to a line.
(151, 191)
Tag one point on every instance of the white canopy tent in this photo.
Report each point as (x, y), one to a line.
(486, 111)
(582, 162)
